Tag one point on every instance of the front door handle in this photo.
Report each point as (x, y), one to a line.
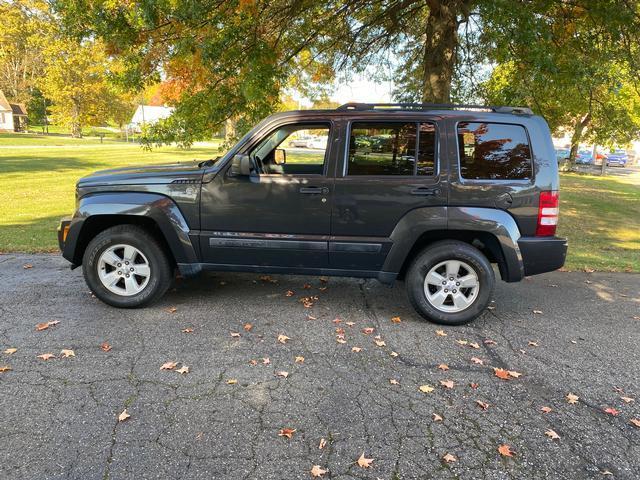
(314, 190)
(425, 191)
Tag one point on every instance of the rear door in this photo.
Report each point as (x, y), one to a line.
(387, 168)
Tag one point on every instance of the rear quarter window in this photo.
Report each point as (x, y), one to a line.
(494, 151)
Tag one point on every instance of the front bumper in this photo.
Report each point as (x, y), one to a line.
(542, 254)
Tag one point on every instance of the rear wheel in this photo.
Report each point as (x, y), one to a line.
(450, 282)
(126, 267)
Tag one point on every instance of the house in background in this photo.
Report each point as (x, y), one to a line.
(13, 116)
(148, 115)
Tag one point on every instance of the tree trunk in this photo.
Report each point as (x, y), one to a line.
(76, 128)
(441, 41)
(578, 130)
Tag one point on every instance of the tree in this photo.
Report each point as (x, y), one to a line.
(76, 79)
(575, 63)
(25, 27)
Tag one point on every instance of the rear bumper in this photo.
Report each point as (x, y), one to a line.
(542, 254)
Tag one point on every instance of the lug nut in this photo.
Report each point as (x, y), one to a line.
(451, 278)
(444, 283)
(127, 275)
(126, 263)
(454, 290)
(119, 272)
(445, 290)
(132, 269)
(119, 264)
(457, 284)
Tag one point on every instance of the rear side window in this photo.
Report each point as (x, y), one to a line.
(392, 148)
(494, 151)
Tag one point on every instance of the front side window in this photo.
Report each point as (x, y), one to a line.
(392, 148)
(293, 150)
(494, 151)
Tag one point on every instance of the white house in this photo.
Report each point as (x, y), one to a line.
(148, 115)
(13, 116)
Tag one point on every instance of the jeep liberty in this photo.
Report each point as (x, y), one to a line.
(429, 194)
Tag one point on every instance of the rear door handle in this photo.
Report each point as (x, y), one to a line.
(425, 191)
(314, 190)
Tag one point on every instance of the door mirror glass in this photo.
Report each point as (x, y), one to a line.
(241, 165)
(280, 156)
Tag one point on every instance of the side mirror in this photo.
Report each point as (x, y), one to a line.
(280, 156)
(241, 165)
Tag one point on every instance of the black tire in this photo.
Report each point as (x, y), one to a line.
(440, 252)
(159, 265)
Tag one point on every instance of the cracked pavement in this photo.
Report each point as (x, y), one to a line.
(58, 418)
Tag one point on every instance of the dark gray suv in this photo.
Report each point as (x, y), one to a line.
(430, 194)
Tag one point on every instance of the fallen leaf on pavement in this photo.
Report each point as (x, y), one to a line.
(105, 347)
(350, 324)
(444, 367)
(488, 341)
(426, 388)
(266, 361)
(624, 399)
(306, 286)
(635, 422)
(447, 383)
(571, 398)
(482, 405)
(317, 471)
(311, 317)
(448, 458)
(290, 293)
(462, 342)
(123, 416)
(474, 385)
(533, 344)
(436, 417)
(67, 353)
(171, 310)
(537, 311)
(394, 354)
(282, 373)
(546, 409)
(235, 334)
(187, 330)
(183, 369)
(364, 462)
(501, 373)
(45, 325)
(10, 351)
(247, 327)
(505, 451)
(340, 339)
(380, 343)
(474, 345)
(477, 361)
(395, 319)
(514, 374)
(552, 434)
(368, 330)
(611, 411)
(283, 338)
(232, 381)
(5, 368)
(393, 381)
(287, 432)
(168, 366)
(299, 360)
(27, 266)
(356, 349)
(441, 333)
(323, 443)
(253, 363)
(46, 356)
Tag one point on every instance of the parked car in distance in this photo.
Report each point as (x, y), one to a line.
(433, 195)
(309, 142)
(562, 154)
(617, 158)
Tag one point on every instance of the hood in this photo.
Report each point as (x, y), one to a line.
(187, 172)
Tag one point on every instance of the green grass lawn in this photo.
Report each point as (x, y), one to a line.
(601, 216)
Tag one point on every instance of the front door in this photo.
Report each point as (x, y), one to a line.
(279, 215)
(390, 167)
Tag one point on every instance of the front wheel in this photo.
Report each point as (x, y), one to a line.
(126, 267)
(450, 282)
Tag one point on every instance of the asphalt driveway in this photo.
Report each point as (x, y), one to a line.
(222, 419)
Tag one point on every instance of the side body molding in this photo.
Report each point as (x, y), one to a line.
(501, 225)
(157, 207)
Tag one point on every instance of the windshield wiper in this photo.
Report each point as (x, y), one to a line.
(208, 163)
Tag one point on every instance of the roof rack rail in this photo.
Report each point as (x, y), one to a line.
(433, 106)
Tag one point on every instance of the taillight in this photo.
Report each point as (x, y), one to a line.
(548, 210)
